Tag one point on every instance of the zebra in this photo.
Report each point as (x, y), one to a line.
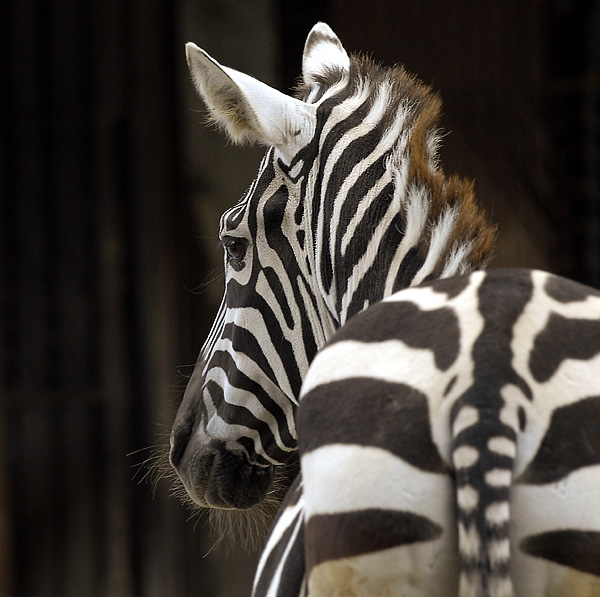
(349, 206)
(465, 439)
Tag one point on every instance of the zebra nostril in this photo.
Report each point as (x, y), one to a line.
(175, 453)
(180, 437)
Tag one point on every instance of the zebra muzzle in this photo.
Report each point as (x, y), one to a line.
(215, 477)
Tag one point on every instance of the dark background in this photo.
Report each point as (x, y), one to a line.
(110, 188)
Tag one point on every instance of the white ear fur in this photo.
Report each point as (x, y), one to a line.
(249, 110)
(323, 50)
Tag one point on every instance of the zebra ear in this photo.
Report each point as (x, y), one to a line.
(248, 110)
(322, 51)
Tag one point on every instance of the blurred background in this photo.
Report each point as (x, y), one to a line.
(110, 190)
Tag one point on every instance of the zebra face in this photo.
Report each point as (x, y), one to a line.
(236, 420)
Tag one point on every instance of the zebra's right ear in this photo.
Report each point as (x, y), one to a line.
(249, 110)
(322, 51)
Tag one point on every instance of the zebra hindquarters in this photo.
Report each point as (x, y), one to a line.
(555, 498)
(379, 500)
(555, 537)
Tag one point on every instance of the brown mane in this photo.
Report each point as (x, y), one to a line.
(472, 224)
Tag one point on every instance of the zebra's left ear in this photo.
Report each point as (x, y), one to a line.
(249, 110)
(322, 51)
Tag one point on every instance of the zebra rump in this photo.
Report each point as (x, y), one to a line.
(466, 427)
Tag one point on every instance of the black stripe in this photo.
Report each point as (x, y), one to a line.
(246, 343)
(274, 208)
(292, 573)
(451, 287)
(563, 338)
(279, 295)
(349, 534)
(274, 212)
(411, 264)
(371, 285)
(243, 296)
(334, 135)
(571, 442)
(502, 296)
(370, 412)
(223, 360)
(363, 184)
(356, 151)
(311, 150)
(436, 330)
(567, 291)
(576, 549)
(232, 218)
(450, 385)
(239, 415)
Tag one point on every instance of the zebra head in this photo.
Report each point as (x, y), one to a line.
(349, 205)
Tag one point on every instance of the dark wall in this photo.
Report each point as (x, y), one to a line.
(96, 247)
(110, 189)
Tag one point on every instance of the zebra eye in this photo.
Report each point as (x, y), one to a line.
(235, 247)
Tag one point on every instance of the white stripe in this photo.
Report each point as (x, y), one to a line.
(498, 551)
(417, 205)
(338, 113)
(248, 400)
(291, 515)
(503, 446)
(388, 140)
(391, 361)
(468, 498)
(347, 477)
(497, 513)
(498, 477)
(467, 416)
(457, 262)
(465, 457)
(469, 541)
(438, 245)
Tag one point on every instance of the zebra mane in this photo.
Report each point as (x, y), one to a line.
(414, 163)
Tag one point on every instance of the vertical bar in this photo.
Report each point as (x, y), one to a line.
(7, 332)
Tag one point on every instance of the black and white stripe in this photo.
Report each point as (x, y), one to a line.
(483, 387)
(432, 397)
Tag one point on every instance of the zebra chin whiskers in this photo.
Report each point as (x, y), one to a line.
(155, 467)
(247, 528)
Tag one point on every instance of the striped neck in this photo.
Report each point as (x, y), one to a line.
(379, 212)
